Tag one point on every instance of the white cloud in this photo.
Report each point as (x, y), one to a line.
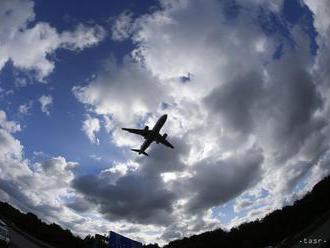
(320, 141)
(9, 126)
(25, 108)
(82, 37)
(45, 101)
(237, 97)
(44, 188)
(242, 203)
(10, 148)
(263, 121)
(91, 126)
(32, 186)
(321, 10)
(28, 47)
(95, 157)
(123, 26)
(114, 92)
(273, 5)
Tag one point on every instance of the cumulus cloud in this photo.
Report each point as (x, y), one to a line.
(152, 203)
(112, 92)
(90, 127)
(45, 101)
(263, 119)
(25, 108)
(246, 121)
(320, 140)
(321, 11)
(32, 187)
(28, 46)
(44, 187)
(242, 203)
(9, 126)
(123, 26)
(245, 124)
(216, 182)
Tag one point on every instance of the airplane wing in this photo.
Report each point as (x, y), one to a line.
(165, 142)
(141, 132)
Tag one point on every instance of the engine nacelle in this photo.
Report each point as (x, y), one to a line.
(146, 128)
(164, 135)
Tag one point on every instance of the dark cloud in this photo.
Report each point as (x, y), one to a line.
(278, 108)
(250, 116)
(79, 204)
(236, 100)
(19, 199)
(140, 196)
(163, 159)
(215, 182)
(244, 119)
(134, 197)
(171, 234)
(293, 100)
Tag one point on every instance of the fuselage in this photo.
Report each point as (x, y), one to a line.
(154, 133)
(159, 124)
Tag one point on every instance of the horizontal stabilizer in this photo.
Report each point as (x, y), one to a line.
(140, 152)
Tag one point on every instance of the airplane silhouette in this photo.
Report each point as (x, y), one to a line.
(151, 136)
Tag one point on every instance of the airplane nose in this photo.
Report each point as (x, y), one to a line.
(165, 117)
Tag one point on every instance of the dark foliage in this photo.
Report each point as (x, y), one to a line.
(51, 234)
(151, 246)
(271, 230)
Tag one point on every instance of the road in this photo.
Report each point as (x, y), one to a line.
(320, 237)
(316, 235)
(18, 240)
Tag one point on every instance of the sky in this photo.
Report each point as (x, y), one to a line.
(245, 85)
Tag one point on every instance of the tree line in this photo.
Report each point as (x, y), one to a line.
(276, 229)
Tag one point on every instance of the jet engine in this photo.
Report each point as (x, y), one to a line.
(146, 128)
(164, 135)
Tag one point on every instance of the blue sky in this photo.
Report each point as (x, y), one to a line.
(249, 120)
(72, 68)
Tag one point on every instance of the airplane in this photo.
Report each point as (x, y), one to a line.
(151, 136)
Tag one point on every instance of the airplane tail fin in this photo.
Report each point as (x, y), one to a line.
(140, 152)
